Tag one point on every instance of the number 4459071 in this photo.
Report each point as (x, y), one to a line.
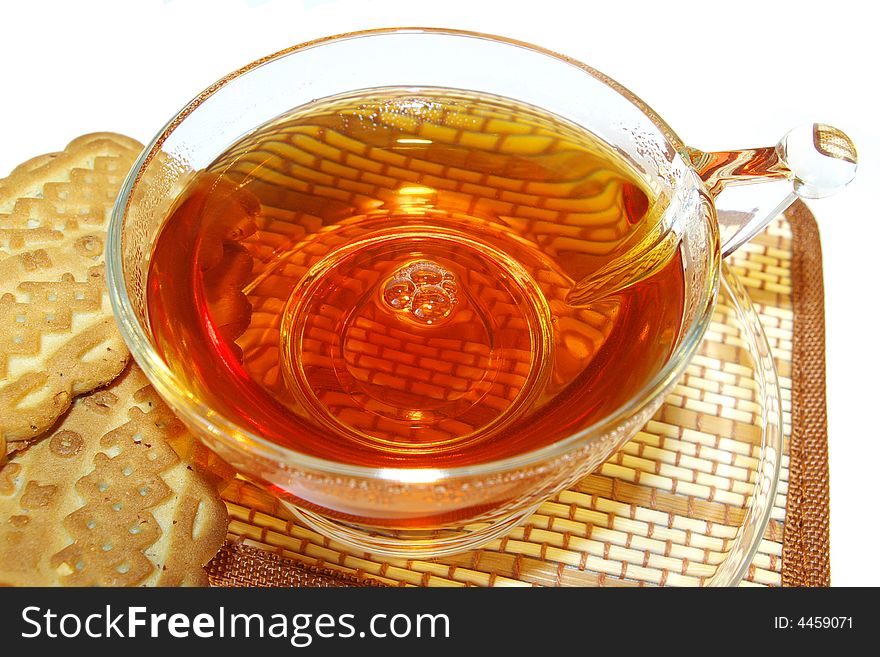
(813, 622)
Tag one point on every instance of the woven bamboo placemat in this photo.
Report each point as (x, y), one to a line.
(665, 508)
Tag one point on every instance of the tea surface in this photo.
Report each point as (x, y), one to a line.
(381, 279)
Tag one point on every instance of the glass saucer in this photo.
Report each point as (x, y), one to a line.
(685, 502)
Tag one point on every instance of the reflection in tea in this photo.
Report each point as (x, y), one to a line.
(383, 279)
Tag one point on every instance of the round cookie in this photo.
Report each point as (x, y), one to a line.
(58, 338)
(113, 496)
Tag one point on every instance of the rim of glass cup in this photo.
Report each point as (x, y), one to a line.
(200, 414)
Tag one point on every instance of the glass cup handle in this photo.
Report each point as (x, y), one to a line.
(810, 161)
(818, 160)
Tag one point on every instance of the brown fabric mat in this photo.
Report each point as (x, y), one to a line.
(805, 549)
(241, 565)
(666, 507)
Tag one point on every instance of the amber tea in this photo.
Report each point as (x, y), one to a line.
(383, 279)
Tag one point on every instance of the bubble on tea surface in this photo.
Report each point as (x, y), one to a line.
(432, 303)
(426, 273)
(398, 293)
(424, 290)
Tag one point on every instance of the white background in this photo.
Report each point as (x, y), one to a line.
(723, 75)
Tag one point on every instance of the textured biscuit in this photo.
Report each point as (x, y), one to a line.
(56, 198)
(57, 334)
(113, 496)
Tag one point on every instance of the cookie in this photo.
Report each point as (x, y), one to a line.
(56, 198)
(58, 338)
(112, 496)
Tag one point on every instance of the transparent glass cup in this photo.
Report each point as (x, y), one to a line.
(423, 512)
